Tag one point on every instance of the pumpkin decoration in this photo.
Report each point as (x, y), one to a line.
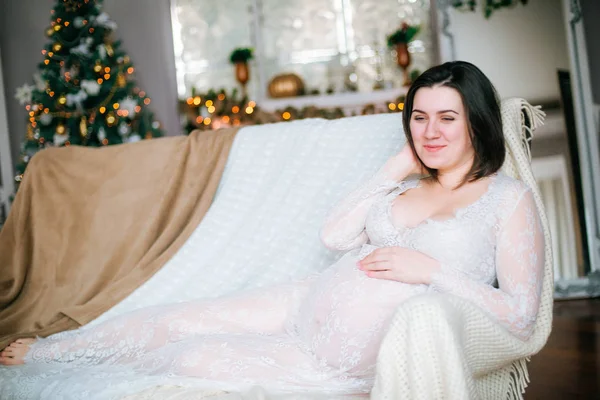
(286, 85)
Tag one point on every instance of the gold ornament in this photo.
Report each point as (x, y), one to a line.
(57, 27)
(60, 129)
(83, 126)
(286, 85)
(62, 100)
(49, 32)
(111, 119)
(29, 132)
(109, 49)
(57, 47)
(121, 80)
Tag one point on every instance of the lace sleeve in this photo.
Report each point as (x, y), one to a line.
(519, 268)
(344, 227)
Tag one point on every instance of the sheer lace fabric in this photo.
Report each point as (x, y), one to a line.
(323, 333)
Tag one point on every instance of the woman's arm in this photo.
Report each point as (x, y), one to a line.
(519, 266)
(344, 227)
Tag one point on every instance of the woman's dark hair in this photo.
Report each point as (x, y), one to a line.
(482, 108)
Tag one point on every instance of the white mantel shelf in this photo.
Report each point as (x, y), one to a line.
(346, 100)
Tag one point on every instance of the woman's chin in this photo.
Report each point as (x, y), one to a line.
(433, 164)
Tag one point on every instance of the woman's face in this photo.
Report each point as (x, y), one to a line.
(439, 129)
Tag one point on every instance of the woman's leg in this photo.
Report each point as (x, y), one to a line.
(131, 335)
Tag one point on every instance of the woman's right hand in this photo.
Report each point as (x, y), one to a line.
(403, 164)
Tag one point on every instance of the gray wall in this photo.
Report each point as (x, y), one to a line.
(144, 27)
(591, 13)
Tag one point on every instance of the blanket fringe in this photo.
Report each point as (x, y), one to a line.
(536, 118)
(519, 378)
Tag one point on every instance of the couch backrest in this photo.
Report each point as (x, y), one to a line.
(279, 183)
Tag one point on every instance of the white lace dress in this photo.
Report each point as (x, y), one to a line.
(321, 334)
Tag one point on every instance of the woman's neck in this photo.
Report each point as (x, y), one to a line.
(452, 178)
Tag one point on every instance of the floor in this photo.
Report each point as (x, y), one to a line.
(569, 365)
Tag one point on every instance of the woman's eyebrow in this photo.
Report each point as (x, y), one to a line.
(439, 112)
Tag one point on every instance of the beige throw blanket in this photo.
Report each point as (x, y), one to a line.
(88, 226)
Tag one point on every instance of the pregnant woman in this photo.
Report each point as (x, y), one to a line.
(464, 228)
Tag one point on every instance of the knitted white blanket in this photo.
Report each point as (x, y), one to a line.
(279, 183)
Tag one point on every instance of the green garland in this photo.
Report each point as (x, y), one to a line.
(218, 109)
(489, 5)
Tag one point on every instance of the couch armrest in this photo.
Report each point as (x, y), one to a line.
(438, 346)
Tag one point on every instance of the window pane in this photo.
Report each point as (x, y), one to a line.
(372, 21)
(301, 37)
(204, 34)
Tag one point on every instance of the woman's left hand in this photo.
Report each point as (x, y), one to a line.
(399, 264)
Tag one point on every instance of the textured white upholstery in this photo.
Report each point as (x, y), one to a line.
(278, 185)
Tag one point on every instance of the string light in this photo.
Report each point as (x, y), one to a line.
(209, 103)
(286, 115)
(147, 101)
(197, 100)
(392, 106)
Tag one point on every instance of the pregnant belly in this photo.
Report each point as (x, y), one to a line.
(346, 314)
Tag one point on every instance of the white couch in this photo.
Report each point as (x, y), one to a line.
(278, 185)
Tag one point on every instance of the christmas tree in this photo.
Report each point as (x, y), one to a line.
(84, 92)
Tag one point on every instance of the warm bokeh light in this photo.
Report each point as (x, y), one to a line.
(286, 115)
